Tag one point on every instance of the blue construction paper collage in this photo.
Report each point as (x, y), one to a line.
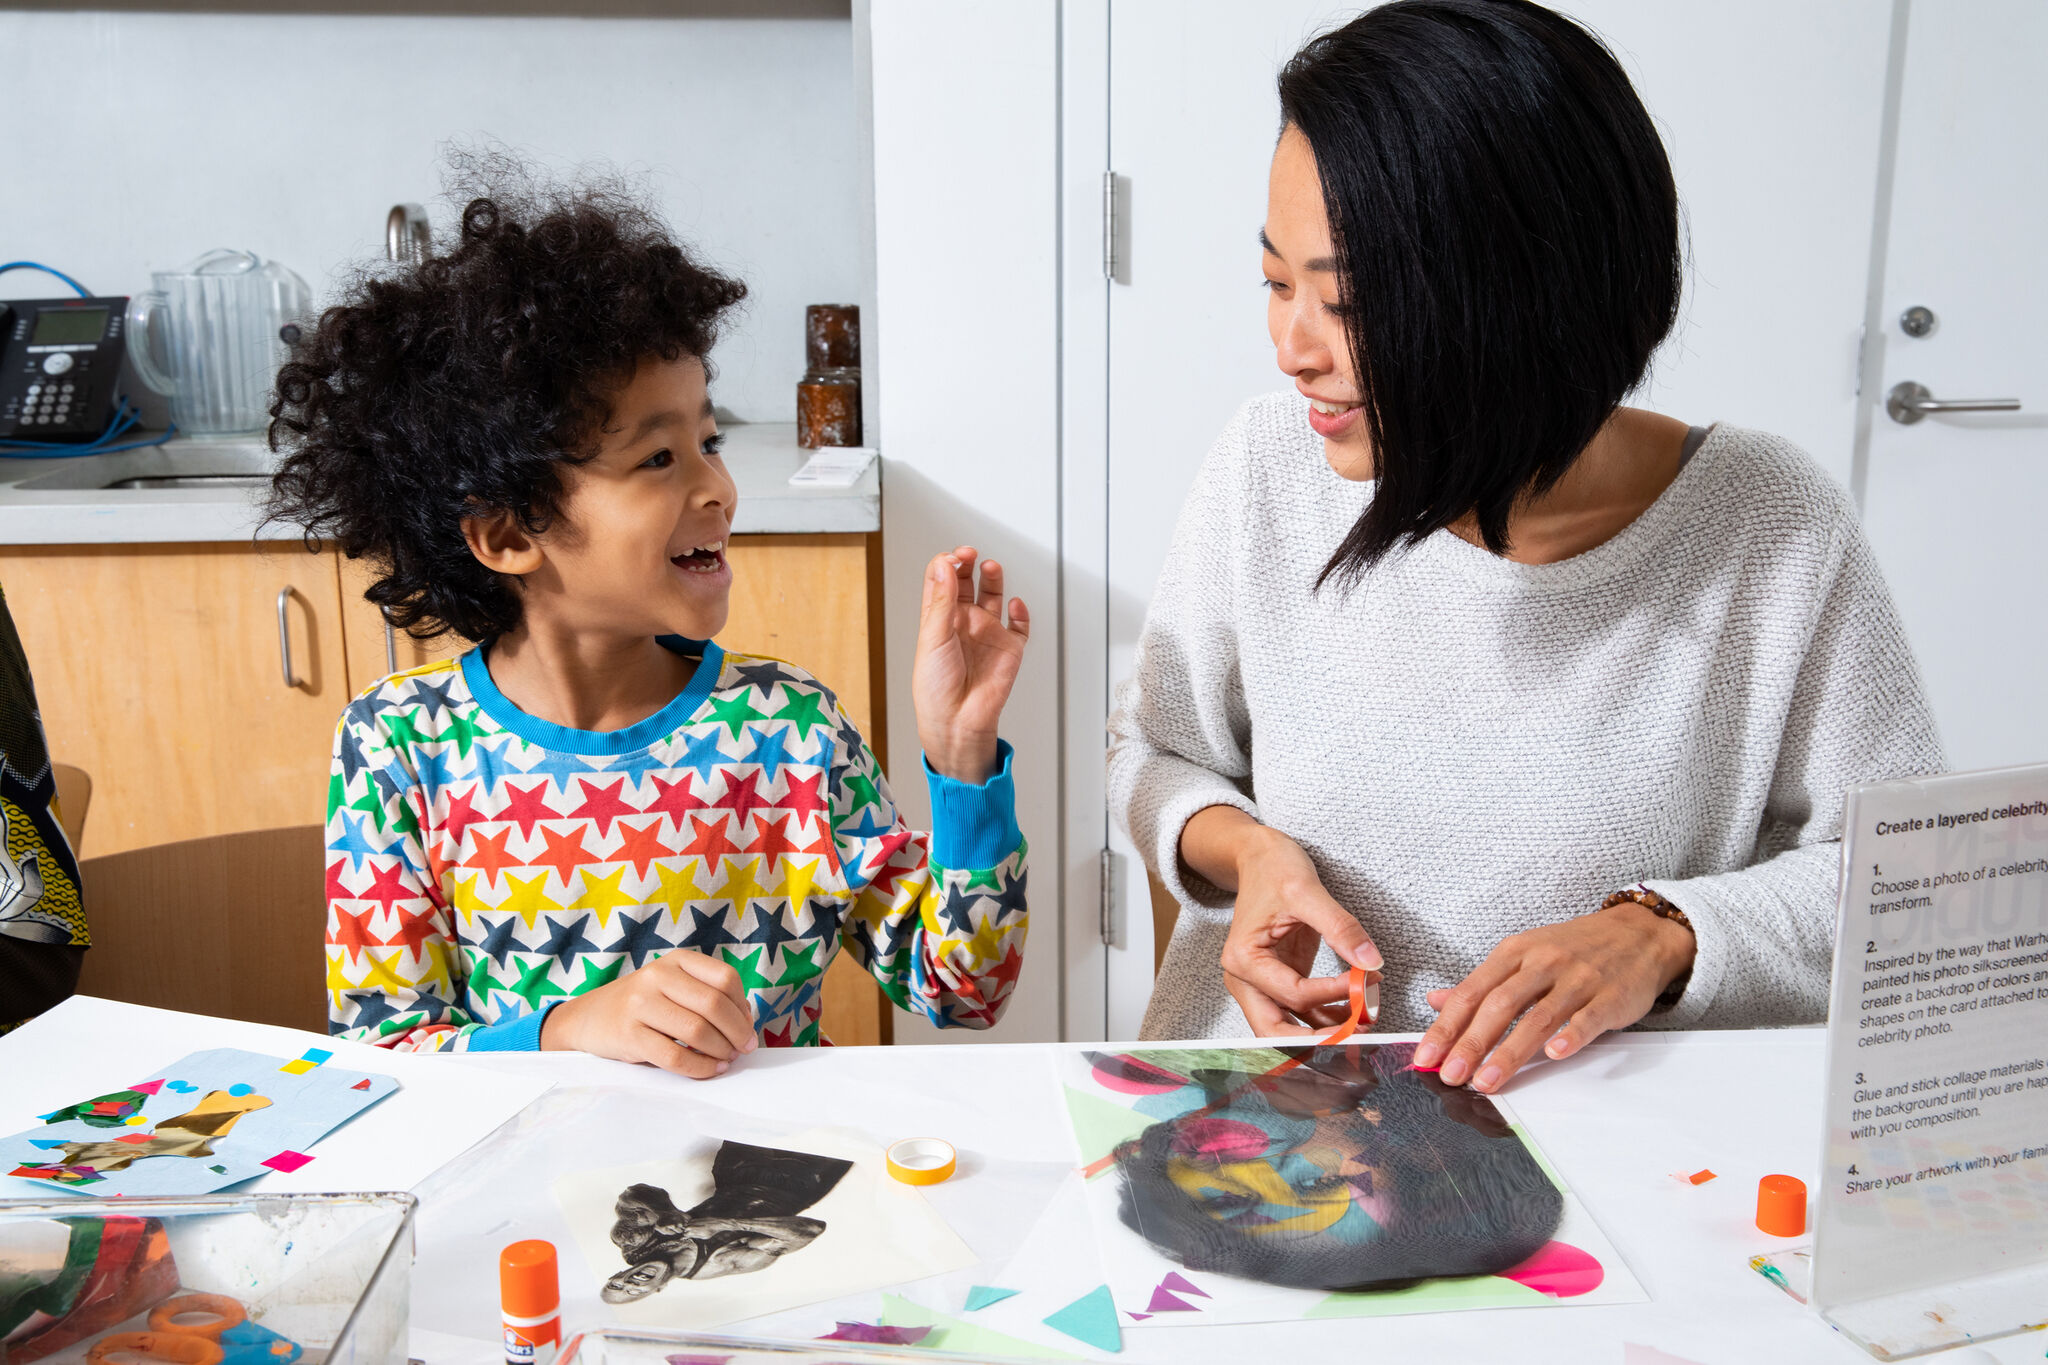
(203, 1123)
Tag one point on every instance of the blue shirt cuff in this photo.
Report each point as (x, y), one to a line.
(512, 1035)
(974, 827)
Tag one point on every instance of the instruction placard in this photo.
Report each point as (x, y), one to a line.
(1936, 1162)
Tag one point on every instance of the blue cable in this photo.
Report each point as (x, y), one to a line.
(83, 292)
(126, 414)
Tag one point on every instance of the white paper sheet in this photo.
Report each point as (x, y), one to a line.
(1137, 1271)
(87, 1046)
(877, 1232)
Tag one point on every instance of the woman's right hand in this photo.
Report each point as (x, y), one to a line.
(1282, 916)
(683, 1012)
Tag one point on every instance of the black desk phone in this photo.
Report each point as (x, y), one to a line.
(60, 360)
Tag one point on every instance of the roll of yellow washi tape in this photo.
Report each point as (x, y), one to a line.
(921, 1161)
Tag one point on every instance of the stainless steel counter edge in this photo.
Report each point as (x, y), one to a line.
(76, 501)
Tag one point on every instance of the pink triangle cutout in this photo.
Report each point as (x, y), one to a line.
(1138, 1317)
(1163, 1301)
(147, 1087)
(1175, 1280)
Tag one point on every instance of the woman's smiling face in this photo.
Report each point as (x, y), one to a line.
(1304, 310)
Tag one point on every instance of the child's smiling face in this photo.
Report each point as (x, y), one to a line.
(639, 547)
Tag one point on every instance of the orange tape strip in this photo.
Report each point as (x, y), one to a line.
(1336, 1035)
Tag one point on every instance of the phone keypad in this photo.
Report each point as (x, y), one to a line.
(51, 402)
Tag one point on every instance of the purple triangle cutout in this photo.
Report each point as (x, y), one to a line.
(1138, 1317)
(1175, 1280)
(1163, 1301)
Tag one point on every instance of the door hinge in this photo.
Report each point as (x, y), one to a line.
(1110, 264)
(1108, 909)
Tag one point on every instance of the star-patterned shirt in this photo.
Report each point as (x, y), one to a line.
(484, 864)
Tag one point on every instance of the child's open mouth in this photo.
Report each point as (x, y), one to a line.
(704, 559)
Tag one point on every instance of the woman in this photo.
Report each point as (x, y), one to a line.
(1540, 706)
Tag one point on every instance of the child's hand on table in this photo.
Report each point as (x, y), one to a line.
(683, 1012)
(967, 661)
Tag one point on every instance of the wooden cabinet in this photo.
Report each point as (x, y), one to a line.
(159, 672)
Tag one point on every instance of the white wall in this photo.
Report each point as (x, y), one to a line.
(966, 333)
(136, 141)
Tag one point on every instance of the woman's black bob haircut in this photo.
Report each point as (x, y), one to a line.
(460, 386)
(1507, 241)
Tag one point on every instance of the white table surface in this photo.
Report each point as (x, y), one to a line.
(1617, 1121)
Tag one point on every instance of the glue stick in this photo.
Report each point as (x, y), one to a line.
(532, 1295)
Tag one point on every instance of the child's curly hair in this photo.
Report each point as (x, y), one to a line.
(457, 387)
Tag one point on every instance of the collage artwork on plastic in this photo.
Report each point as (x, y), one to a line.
(205, 1122)
(1258, 1184)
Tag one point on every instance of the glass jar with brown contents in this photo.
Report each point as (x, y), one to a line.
(828, 408)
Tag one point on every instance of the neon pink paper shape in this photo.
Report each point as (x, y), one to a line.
(1176, 1281)
(288, 1161)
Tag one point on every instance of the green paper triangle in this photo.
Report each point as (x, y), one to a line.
(1431, 1296)
(1099, 1125)
(982, 1295)
(951, 1334)
(1092, 1319)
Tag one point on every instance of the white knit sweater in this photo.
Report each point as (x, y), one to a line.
(1468, 747)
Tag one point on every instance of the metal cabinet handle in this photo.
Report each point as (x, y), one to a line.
(1908, 402)
(284, 638)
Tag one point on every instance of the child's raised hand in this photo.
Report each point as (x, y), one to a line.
(967, 661)
(683, 1012)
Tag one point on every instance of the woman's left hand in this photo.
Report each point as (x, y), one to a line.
(967, 662)
(1569, 983)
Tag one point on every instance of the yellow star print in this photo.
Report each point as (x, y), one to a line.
(741, 884)
(603, 894)
(679, 887)
(797, 880)
(467, 899)
(529, 896)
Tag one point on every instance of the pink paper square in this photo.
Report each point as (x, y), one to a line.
(287, 1161)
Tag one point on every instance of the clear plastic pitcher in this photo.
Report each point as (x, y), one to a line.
(208, 336)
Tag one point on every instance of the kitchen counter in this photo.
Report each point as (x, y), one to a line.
(209, 489)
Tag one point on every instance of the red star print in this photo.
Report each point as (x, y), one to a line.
(462, 813)
(490, 855)
(525, 808)
(741, 796)
(603, 805)
(824, 845)
(675, 799)
(780, 1037)
(337, 889)
(352, 932)
(1004, 974)
(802, 796)
(773, 840)
(412, 930)
(565, 853)
(884, 877)
(386, 889)
(640, 846)
(709, 842)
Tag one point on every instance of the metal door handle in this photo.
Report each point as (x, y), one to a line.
(284, 637)
(1909, 402)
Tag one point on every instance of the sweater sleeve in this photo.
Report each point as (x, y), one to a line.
(393, 962)
(1180, 736)
(938, 919)
(1858, 713)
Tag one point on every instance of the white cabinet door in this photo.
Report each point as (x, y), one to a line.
(1772, 115)
(1954, 502)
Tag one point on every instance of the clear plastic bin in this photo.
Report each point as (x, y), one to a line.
(610, 1346)
(329, 1273)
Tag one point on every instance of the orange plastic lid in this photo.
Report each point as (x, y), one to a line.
(1781, 1205)
(527, 1279)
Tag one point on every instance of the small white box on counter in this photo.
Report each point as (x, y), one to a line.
(834, 467)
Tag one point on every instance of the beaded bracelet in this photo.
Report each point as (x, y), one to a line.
(1657, 905)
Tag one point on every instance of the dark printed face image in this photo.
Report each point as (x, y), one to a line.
(749, 1221)
(1349, 1170)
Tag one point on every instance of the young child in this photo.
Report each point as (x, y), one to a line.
(597, 830)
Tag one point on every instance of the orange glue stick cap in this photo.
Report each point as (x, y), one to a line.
(527, 1279)
(1781, 1205)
